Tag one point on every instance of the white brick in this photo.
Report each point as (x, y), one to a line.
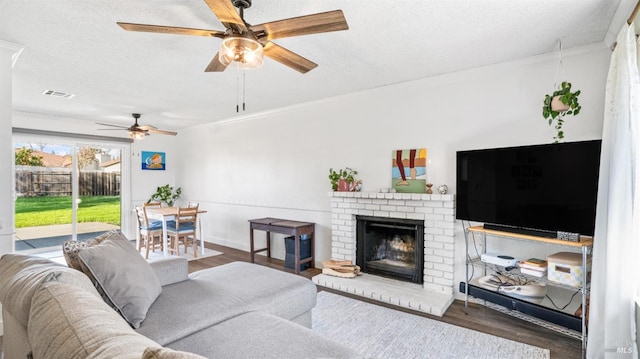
(338, 233)
(415, 196)
(442, 281)
(397, 215)
(388, 195)
(337, 245)
(434, 245)
(445, 268)
(448, 205)
(346, 229)
(436, 197)
(449, 218)
(379, 201)
(434, 204)
(444, 253)
(386, 208)
(345, 217)
(344, 251)
(414, 204)
(445, 211)
(396, 203)
(365, 212)
(337, 200)
(434, 231)
(425, 210)
(434, 273)
(445, 225)
(338, 210)
(434, 217)
(381, 214)
(449, 232)
(433, 259)
(365, 201)
(417, 216)
(406, 209)
(372, 207)
(357, 206)
(350, 200)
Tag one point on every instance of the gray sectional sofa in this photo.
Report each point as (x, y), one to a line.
(238, 310)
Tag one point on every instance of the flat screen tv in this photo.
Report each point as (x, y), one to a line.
(545, 190)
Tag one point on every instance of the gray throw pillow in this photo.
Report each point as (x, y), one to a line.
(70, 249)
(124, 279)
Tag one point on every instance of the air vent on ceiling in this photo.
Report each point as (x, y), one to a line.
(57, 94)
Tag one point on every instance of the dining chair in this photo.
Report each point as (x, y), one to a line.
(150, 233)
(152, 204)
(183, 229)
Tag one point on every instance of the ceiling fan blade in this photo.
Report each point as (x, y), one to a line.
(170, 30)
(288, 58)
(112, 125)
(227, 13)
(215, 65)
(147, 127)
(303, 25)
(111, 129)
(161, 132)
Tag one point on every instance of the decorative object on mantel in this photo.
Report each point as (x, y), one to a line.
(343, 269)
(561, 102)
(443, 189)
(166, 194)
(429, 190)
(409, 170)
(344, 180)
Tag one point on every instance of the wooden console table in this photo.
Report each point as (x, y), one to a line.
(287, 227)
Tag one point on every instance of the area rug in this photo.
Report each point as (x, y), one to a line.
(207, 253)
(379, 332)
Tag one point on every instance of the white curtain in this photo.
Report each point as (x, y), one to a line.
(616, 253)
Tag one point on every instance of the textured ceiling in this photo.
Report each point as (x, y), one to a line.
(75, 46)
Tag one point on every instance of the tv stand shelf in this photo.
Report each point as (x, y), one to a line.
(493, 298)
(584, 241)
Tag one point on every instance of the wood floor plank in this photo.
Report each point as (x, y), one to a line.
(478, 317)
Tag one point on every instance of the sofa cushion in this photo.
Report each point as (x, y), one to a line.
(70, 249)
(21, 275)
(213, 295)
(166, 353)
(66, 322)
(264, 336)
(123, 277)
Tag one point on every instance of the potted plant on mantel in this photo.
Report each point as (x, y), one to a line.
(166, 194)
(343, 180)
(559, 104)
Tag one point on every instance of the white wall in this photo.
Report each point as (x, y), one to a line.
(276, 164)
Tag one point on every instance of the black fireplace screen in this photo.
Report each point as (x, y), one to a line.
(391, 247)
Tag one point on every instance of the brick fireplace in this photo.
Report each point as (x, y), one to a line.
(435, 294)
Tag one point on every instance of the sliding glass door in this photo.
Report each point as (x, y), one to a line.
(65, 190)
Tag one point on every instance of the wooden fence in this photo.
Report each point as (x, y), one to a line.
(58, 183)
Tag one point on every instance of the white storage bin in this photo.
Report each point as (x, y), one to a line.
(566, 268)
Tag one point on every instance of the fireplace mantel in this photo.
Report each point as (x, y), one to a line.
(438, 213)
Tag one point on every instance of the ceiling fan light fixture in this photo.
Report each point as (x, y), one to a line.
(137, 135)
(246, 52)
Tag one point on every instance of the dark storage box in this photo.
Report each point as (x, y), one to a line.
(305, 251)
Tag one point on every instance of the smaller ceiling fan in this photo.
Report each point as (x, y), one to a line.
(136, 131)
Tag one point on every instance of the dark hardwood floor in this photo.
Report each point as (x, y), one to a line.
(478, 318)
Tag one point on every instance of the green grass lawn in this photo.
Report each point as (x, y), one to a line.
(43, 211)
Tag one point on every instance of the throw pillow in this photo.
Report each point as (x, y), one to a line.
(166, 353)
(70, 249)
(66, 322)
(123, 277)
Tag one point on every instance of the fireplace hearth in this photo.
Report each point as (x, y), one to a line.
(437, 213)
(390, 247)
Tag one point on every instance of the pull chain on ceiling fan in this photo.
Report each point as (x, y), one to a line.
(244, 44)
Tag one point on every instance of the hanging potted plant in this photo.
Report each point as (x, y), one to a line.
(560, 103)
(343, 180)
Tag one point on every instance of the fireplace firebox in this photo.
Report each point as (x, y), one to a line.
(390, 247)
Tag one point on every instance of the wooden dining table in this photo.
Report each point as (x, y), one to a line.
(166, 214)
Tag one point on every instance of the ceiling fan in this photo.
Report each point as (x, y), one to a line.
(136, 131)
(245, 44)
